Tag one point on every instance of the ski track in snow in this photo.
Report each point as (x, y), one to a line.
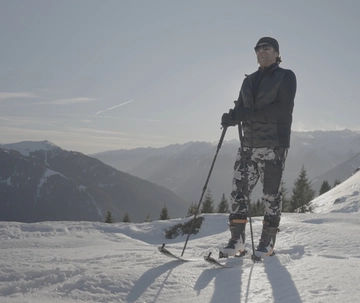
(317, 260)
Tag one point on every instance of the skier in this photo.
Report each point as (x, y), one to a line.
(263, 113)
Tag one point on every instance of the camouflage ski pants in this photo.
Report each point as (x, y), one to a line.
(266, 164)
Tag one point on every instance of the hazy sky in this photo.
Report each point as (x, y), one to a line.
(91, 76)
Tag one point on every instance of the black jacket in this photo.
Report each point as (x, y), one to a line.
(266, 103)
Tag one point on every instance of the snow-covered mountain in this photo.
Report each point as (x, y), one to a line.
(185, 167)
(317, 260)
(28, 147)
(40, 181)
(342, 198)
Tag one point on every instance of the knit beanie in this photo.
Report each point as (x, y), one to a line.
(271, 41)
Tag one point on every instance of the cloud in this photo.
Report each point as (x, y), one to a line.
(26, 95)
(67, 101)
(26, 122)
(72, 101)
(304, 126)
(146, 120)
(7, 95)
(109, 133)
(126, 118)
(110, 108)
(86, 140)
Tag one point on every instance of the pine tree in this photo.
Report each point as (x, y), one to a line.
(164, 214)
(147, 219)
(324, 188)
(208, 204)
(302, 194)
(192, 209)
(285, 200)
(257, 209)
(336, 182)
(109, 218)
(254, 208)
(126, 218)
(223, 207)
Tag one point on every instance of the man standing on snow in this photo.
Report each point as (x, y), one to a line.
(263, 113)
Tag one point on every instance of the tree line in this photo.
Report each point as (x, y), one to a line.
(299, 202)
(164, 215)
(302, 195)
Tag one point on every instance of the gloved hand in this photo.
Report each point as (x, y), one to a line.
(228, 119)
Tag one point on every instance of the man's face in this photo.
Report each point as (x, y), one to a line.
(266, 54)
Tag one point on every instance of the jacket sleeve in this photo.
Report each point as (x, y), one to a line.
(239, 104)
(240, 113)
(284, 104)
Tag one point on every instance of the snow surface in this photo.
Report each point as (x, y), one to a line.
(317, 260)
(342, 198)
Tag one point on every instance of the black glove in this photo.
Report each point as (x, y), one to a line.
(228, 119)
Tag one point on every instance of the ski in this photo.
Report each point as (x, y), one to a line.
(209, 259)
(213, 261)
(167, 253)
(217, 262)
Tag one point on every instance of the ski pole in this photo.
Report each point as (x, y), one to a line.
(205, 187)
(253, 257)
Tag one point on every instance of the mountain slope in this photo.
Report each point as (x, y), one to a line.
(54, 184)
(340, 172)
(345, 197)
(185, 168)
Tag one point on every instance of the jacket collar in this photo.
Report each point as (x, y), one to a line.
(268, 69)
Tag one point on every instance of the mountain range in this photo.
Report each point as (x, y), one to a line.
(42, 182)
(39, 181)
(183, 168)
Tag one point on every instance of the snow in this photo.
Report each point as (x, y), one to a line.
(342, 198)
(27, 147)
(7, 181)
(317, 259)
(47, 174)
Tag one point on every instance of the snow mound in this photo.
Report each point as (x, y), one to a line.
(343, 198)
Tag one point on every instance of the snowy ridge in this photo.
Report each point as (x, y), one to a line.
(343, 198)
(27, 147)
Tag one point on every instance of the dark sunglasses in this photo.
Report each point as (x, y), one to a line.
(264, 47)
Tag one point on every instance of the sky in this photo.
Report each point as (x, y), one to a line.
(97, 262)
(91, 76)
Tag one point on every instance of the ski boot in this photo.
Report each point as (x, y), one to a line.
(267, 241)
(236, 244)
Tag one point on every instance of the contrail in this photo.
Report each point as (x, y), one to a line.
(110, 108)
